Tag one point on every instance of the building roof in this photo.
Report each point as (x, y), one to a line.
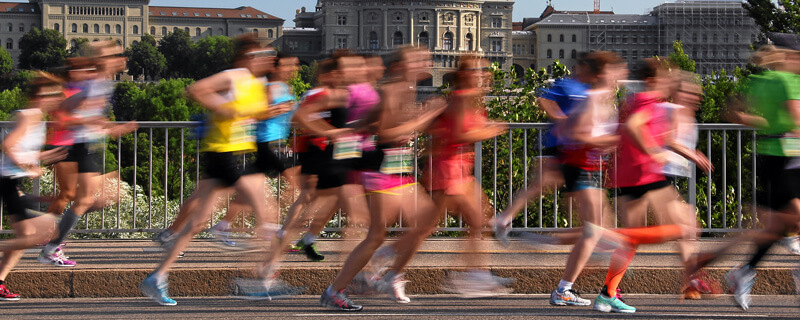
(18, 7)
(583, 19)
(516, 26)
(549, 10)
(191, 12)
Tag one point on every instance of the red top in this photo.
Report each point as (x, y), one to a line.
(62, 135)
(303, 138)
(634, 166)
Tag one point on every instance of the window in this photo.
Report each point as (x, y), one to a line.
(533, 50)
(96, 28)
(424, 40)
(678, 36)
(573, 54)
(341, 42)
(341, 20)
(694, 37)
(108, 28)
(496, 45)
(574, 38)
(561, 54)
(497, 22)
(549, 38)
(468, 42)
(135, 29)
(624, 39)
(10, 27)
(75, 27)
(270, 34)
(373, 40)
(21, 27)
(635, 55)
(705, 38)
(85, 28)
(255, 33)
(152, 31)
(753, 38)
(561, 38)
(73, 43)
(447, 42)
(634, 39)
(197, 32)
(397, 39)
(593, 39)
(221, 32)
(737, 38)
(57, 27)
(163, 31)
(241, 31)
(187, 30)
(9, 44)
(549, 54)
(714, 38)
(725, 38)
(210, 32)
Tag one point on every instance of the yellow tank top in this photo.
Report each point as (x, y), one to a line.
(237, 134)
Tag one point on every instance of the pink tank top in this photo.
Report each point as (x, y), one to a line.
(634, 166)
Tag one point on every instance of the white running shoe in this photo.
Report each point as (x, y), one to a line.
(792, 244)
(740, 281)
(395, 286)
(568, 298)
(477, 284)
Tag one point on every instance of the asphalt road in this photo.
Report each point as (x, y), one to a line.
(421, 307)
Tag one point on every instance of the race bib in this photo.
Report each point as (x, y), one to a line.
(243, 131)
(347, 147)
(397, 161)
(790, 146)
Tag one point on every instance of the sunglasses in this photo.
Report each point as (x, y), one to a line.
(269, 53)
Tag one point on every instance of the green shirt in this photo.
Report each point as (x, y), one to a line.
(769, 93)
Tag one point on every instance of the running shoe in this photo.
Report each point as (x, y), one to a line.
(382, 259)
(164, 238)
(6, 295)
(740, 281)
(696, 288)
(606, 304)
(477, 284)
(311, 252)
(338, 301)
(364, 283)
(222, 237)
(568, 298)
(792, 244)
(265, 289)
(294, 248)
(501, 232)
(157, 290)
(395, 286)
(56, 258)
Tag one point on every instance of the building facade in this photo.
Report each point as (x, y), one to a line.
(450, 28)
(125, 21)
(716, 34)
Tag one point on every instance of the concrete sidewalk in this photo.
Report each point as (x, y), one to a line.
(114, 268)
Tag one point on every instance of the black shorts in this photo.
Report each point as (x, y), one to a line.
(637, 192)
(88, 156)
(16, 205)
(577, 179)
(224, 167)
(550, 152)
(780, 185)
(330, 173)
(70, 154)
(271, 160)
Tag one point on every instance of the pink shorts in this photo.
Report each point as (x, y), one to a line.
(377, 182)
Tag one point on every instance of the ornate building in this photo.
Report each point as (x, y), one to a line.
(125, 21)
(450, 28)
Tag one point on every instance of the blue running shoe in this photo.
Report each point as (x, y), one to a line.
(606, 304)
(157, 290)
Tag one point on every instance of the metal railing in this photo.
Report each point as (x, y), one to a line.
(148, 199)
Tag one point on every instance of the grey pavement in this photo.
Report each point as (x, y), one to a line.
(421, 307)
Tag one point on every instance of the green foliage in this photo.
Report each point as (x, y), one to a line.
(18, 79)
(80, 49)
(308, 73)
(299, 87)
(212, 55)
(775, 16)
(6, 63)
(178, 48)
(144, 59)
(10, 101)
(42, 49)
(680, 58)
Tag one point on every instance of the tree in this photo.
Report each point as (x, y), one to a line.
(178, 49)
(80, 48)
(6, 63)
(145, 59)
(783, 16)
(680, 58)
(212, 55)
(42, 49)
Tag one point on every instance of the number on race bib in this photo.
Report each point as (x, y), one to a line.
(397, 161)
(348, 147)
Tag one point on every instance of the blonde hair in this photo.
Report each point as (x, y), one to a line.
(768, 56)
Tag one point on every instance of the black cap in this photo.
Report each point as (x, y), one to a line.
(785, 40)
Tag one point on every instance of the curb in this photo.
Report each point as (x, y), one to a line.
(218, 282)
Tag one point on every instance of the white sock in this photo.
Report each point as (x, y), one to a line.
(222, 225)
(564, 286)
(308, 238)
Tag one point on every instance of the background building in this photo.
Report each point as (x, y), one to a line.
(125, 21)
(450, 28)
(716, 34)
